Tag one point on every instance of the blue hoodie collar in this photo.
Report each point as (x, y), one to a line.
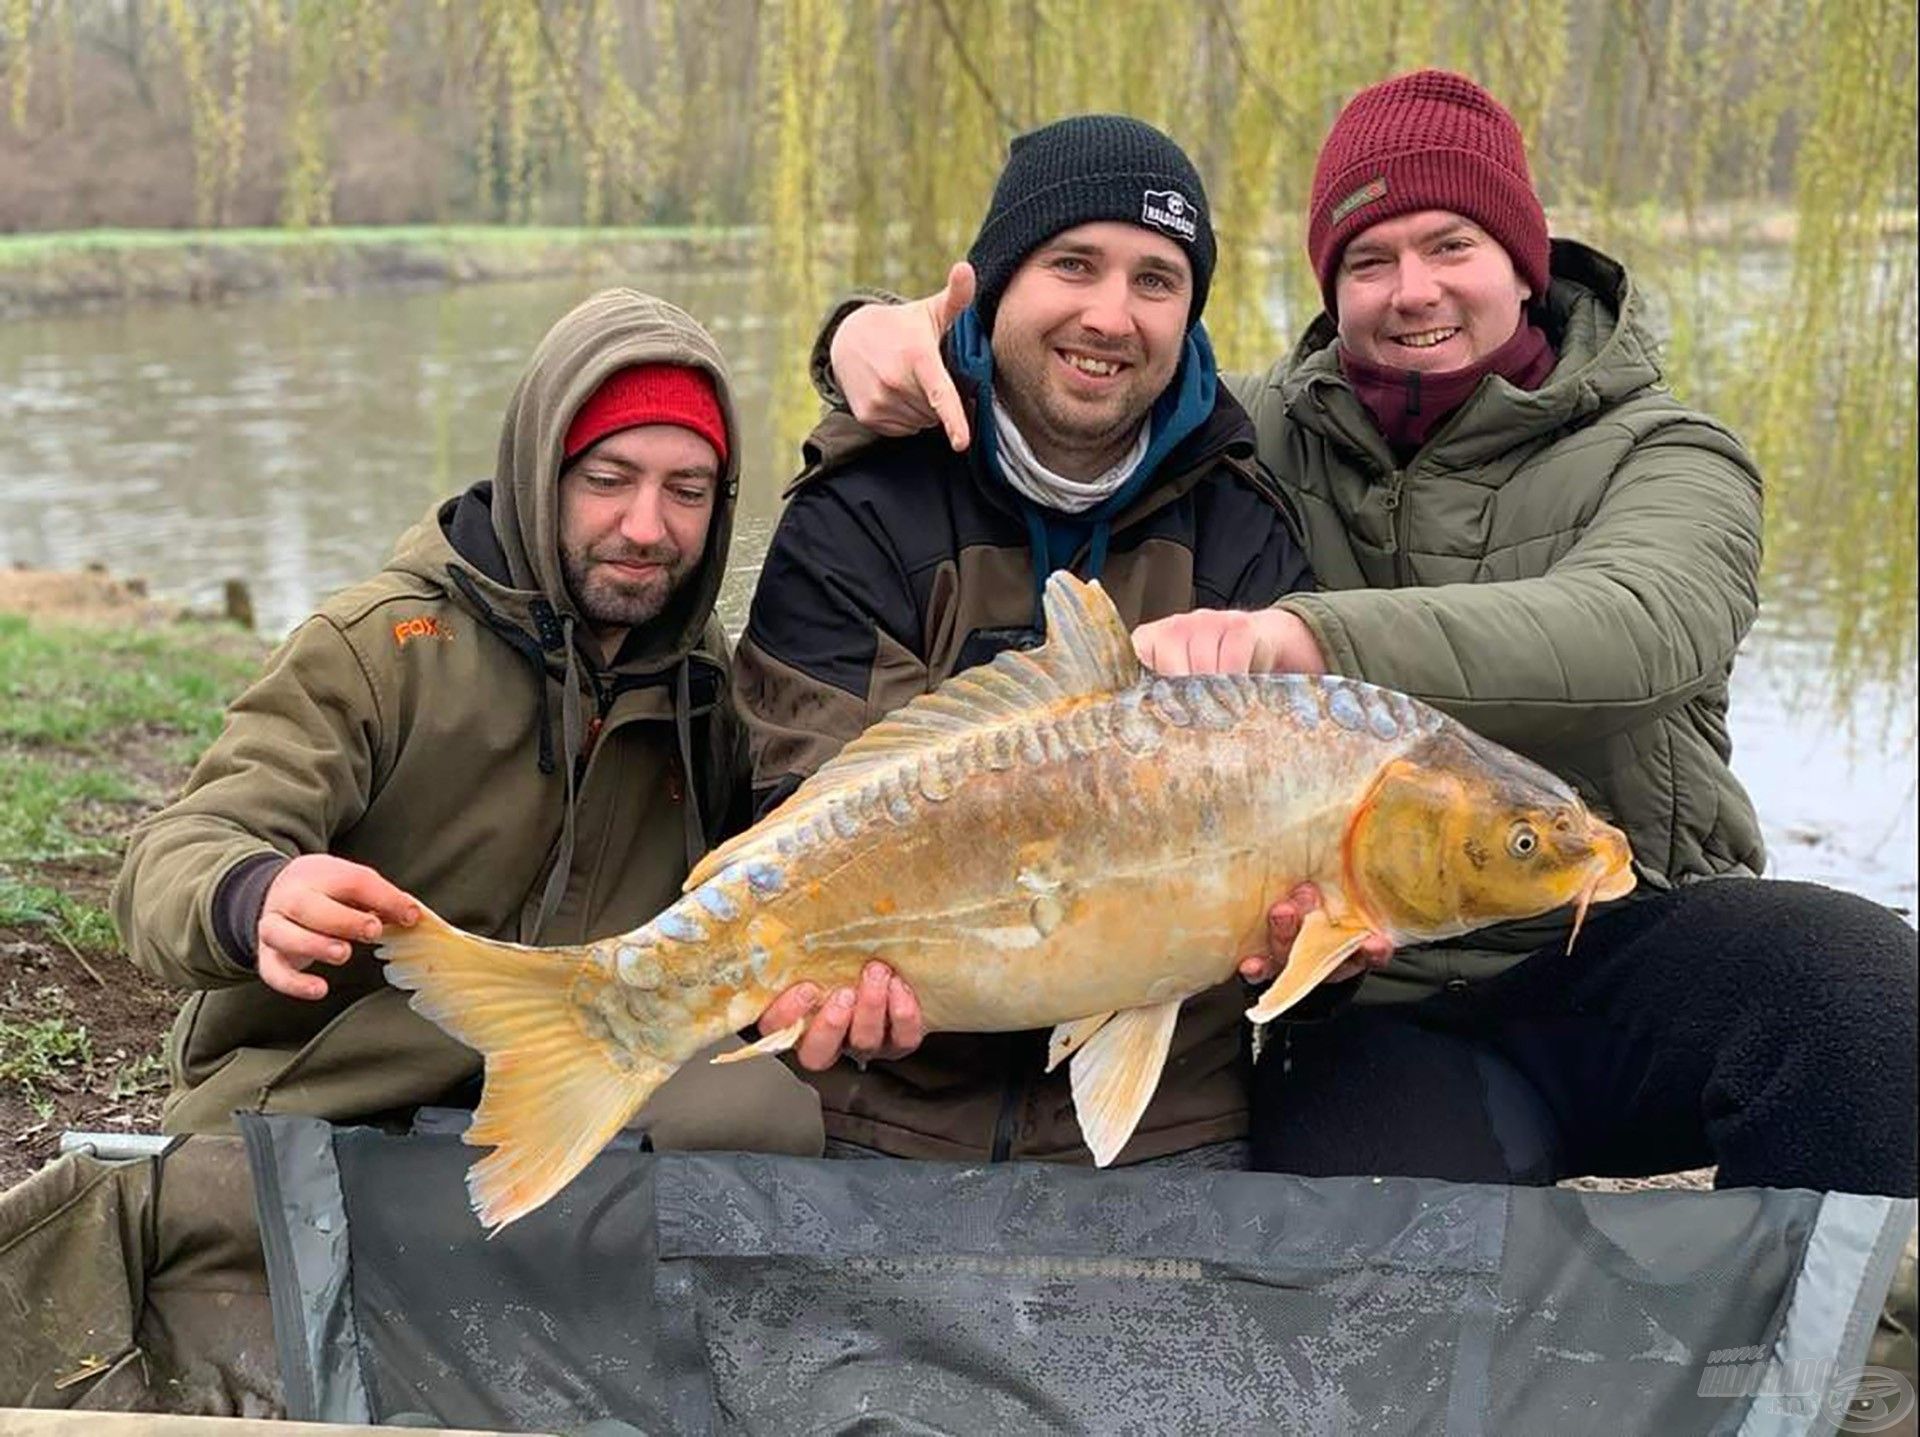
(1053, 536)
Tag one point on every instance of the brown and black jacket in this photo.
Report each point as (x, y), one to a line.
(443, 723)
(897, 563)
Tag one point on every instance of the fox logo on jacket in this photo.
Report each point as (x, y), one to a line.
(424, 627)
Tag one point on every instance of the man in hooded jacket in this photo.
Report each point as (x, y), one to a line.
(1512, 518)
(523, 722)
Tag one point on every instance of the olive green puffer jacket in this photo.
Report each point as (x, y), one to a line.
(1568, 570)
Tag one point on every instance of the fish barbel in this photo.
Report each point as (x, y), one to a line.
(1060, 839)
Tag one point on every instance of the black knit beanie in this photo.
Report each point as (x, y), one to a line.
(1082, 169)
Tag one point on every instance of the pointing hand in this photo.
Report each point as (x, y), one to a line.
(886, 358)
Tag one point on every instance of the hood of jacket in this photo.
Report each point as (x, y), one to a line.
(1591, 316)
(502, 538)
(496, 549)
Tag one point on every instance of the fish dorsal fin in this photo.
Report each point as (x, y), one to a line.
(1088, 654)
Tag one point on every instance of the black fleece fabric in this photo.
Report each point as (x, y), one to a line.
(1765, 1026)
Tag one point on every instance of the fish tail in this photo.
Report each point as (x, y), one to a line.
(552, 1097)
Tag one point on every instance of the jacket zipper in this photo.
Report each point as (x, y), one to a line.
(1395, 501)
(1397, 497)
(590, 740)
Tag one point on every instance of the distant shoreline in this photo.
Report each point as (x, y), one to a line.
(67, 271)
(93, 269)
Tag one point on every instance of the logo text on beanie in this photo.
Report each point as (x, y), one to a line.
(1168, 210)
(1372, 190)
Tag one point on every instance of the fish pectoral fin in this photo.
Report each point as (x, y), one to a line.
(1115, 1074)
(775, 1042)
(1070, 1038)
(1321, 946)
(552, 1097)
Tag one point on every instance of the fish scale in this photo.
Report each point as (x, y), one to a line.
(1057, 839)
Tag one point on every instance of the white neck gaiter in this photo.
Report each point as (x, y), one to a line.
(1031, 478)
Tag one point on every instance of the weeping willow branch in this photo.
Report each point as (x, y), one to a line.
(1276, 105)
(565, 77)
(1008, 124)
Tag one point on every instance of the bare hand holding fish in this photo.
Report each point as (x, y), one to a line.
(876, 1022)
(316, 907)
(1056, 839)
(1229, 641)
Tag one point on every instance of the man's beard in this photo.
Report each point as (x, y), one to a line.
(1066, 434)
(607, 600)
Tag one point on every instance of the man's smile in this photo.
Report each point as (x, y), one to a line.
(1425, 338)
(1091, 366)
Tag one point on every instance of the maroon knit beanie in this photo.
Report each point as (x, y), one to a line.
(1426, 141)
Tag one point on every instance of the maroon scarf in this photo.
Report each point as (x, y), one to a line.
(1409, 405)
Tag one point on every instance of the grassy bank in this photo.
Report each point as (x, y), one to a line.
(41, 273)
(102, 710)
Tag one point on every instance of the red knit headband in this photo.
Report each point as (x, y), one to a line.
(650, 394)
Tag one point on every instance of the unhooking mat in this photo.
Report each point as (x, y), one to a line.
(705, 1293)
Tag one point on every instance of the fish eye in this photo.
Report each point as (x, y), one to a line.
(1522, 841)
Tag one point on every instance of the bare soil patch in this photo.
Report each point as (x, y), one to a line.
(100, 1023)
(85, 596)
(84, 1029)
(1696, 1179)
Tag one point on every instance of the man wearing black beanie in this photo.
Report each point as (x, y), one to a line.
(1107, 448)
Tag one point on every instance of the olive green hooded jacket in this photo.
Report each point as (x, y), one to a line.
(1569, 571)
(441, 724)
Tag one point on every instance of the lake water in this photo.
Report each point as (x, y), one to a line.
(287, 441)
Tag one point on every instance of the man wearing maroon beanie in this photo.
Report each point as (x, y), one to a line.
(1511, 517)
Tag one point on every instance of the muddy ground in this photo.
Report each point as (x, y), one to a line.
(119, 1084)
(113, 1077)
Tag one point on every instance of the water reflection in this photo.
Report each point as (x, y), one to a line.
(288, 441)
